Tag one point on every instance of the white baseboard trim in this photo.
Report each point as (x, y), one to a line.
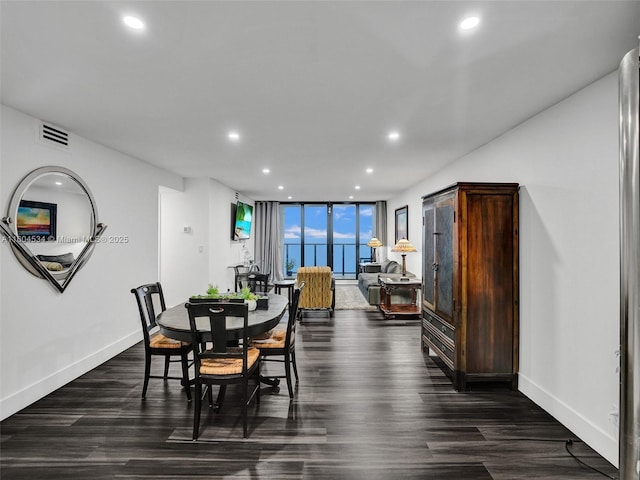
(34, 392)
(601, 441)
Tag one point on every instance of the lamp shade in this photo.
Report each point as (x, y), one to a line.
(403, 246)
(374, 243)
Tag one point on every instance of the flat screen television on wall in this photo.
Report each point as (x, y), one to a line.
(244, 218)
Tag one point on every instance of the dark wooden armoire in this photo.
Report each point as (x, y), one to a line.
(470, 281)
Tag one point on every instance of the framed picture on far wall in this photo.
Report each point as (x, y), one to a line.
(402, 226)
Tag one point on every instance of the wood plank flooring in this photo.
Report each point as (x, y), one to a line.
(369, 406)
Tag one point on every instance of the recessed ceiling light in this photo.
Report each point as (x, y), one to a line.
(266, 170)
(133, 22)
(393, 136)
(369, 170)
(58, 183)
(280, 187)
(233, 136)
(469, 23)
(357, 187)
(289, 197)
(350, 197)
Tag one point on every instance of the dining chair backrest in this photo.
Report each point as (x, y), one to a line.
(258, 282)
(242, 273)
(216, 314)
(293, 315)
(148, 297)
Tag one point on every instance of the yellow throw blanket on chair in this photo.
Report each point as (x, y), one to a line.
(317, 292)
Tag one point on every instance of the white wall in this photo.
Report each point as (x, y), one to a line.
(191, 261)
(184, 256)
(566, 161)
(54, 337)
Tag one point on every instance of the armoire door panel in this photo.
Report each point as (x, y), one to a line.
(428, 269)
(489, 283)
(444, 259)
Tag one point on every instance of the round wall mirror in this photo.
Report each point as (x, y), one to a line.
(52, 224)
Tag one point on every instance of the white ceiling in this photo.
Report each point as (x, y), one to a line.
(312, 86)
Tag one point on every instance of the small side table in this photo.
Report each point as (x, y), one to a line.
(288, 284)
(388, 286)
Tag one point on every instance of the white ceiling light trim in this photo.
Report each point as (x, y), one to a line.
(470, 23)
(133, 22)
(393, 136)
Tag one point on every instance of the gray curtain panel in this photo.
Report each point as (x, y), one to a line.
(268, 249)
(381, 228)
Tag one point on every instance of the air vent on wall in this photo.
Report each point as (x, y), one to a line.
(53, 135)
(237, 195)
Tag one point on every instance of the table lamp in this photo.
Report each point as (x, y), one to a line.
(374, 243)
(403, 246)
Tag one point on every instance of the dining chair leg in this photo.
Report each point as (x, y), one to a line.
(147, 373)
(166, 366)
(196, 410)
(258, 380)
(245, 387)
(287, 374)
(185, 375)
(220, 399)
(210, 395)
(295, 367)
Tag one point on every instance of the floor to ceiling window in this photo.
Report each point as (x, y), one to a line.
(333, 234)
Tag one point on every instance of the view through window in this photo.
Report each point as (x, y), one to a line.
(333, 234)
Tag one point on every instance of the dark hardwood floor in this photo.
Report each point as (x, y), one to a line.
(369, 406)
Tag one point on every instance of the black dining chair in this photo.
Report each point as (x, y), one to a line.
(242, 273)
(217, 363)
(147, 296)
(259, 282)
(281, 343)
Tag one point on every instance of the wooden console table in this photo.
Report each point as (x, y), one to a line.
(393, 285)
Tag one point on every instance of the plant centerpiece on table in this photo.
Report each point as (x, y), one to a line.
(249, 297)
(213, 293)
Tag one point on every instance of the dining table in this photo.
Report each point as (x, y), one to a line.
(174, 323)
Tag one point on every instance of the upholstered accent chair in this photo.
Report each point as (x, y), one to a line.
(148, 297)
(319, 292)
